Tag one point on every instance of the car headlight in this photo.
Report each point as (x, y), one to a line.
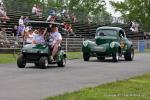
(85, 43)
(112, 44)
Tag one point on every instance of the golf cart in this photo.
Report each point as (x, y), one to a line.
(39, 54)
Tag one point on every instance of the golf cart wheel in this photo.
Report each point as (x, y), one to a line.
(101, 58)
(62, 63)
(86, 56)
(129, 55)
(43, 62)
(115, 56)
(21, 62)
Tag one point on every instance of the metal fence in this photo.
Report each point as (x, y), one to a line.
(75, 44)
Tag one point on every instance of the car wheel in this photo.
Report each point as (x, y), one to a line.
(62, 63)
(36, 64)
(21, 62)
(129, 55)
(43, 62)
(101, 58)
(115, 56)
(86, 56)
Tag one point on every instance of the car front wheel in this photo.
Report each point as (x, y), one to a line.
(86, 56)
(115, 56)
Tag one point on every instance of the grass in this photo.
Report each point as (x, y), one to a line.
(10, 58)
(74, 55)
(7, 58)
(137, 88)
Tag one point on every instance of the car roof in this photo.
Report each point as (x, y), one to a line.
(43, 23)
(110, 28)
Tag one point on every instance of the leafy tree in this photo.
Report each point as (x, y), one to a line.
(137, 10)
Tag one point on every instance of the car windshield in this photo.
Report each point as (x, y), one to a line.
(106, 32)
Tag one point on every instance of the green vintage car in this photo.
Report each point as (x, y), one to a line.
(39, 54)
(109, 42)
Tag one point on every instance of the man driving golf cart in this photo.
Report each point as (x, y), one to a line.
(43, 52)
(55, 39)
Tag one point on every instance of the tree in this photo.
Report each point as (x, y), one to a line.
(81, 8)
(135, 10)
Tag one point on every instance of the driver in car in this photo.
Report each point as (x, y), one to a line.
(55, 39)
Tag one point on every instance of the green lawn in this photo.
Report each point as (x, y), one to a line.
(10, 58)
(7, 58)
(137, 88)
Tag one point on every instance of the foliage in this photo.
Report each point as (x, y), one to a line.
(134, 10)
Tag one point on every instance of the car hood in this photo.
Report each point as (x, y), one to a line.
(104, 39)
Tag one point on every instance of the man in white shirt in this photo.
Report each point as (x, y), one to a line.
(55, 40)
(34, 9)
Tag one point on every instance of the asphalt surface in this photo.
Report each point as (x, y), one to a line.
(34, 84)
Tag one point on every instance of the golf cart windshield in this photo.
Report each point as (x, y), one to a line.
(106, 32)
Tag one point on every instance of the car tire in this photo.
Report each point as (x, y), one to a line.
(43, 62)
(115, 56)
(86, 56)
(62, 63)
(36, 64)
(101, 58)
(21, 62)
(129, 55)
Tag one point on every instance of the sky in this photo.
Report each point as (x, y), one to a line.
(111, 10)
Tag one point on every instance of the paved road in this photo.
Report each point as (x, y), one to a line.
(34, 84)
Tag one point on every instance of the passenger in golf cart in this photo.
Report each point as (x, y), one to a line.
(54, 40)
(52, 36)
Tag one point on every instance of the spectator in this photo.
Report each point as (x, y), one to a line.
(73, 18)
(34, 9)
(14, 31)
(69, 30)
(26, 19)
(89, 20)
(3, 15)
(51, 18)
(21, 27)
(134, 27)
(52, 12)
(3, 38)
(39, 11)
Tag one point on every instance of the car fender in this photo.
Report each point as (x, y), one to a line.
(114, 46)
(87, 46)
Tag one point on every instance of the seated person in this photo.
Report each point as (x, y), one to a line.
(38, 37)
(3, 16)
(34, 9)
(55, 39)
